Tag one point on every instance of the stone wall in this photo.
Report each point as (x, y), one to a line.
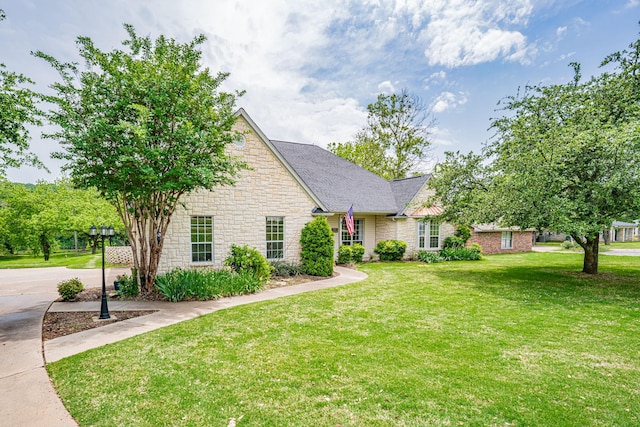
(239, 212)
(491, 241)
(118, 255)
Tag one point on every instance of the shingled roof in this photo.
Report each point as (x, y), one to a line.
(339, 184)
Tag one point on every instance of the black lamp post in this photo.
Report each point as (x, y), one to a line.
(104, 232)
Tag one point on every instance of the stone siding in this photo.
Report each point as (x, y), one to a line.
(491, 241)
(118, 255)
(406, 229)
(239, 212)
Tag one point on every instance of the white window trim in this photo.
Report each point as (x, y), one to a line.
(344, 229)
(427, 236)
(212, 241)
(266, 243)
(506, 242)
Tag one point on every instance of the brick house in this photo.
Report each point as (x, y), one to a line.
(496, 240)
(287, 185)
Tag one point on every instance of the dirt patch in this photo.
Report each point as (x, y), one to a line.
(58, 324)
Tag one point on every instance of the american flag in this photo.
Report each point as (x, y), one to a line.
(348, 221)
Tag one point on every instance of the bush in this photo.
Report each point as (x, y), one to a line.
(284, 269)
(244, 259)
(68, 289)
(178, 285)
(345, 254)
(452, 242)
(568, 244)
(128, 286)
(357, 252)
(316, 241)
(470, 253)
(390, 250)
(463, 232)
(429, 257)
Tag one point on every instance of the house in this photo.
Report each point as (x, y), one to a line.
(623, 231)
(496, 240)
(287, 185)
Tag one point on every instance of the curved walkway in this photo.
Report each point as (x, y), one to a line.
(27, 397)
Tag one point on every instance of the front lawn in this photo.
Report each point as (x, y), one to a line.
(59, 259)
(510, 340)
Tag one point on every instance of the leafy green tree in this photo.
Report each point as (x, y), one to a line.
(566, 157)
(395, 141)
(144, 126)
(18, 108)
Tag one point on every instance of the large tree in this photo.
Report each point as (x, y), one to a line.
(145, 126)
(18, 108)
(565, 157)
(394, 143)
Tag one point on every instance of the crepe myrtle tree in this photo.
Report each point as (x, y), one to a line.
(565, 157)
(144, 125)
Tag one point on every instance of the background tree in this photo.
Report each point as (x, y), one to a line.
(565, 157)
(36, 217)
(144, 126)
(18, 108)
(395, 141)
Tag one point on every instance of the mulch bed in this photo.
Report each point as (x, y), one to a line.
(58, 324)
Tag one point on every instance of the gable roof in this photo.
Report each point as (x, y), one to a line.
(336, 184)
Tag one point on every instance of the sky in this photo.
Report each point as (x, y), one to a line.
(310, 68)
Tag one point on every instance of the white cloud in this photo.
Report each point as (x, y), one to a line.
(387, 87)
(468, 32)
(561, 32)
(448, 101)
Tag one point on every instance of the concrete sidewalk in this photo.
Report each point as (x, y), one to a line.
(168, 314)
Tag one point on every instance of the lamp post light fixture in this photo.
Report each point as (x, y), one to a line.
(104, 232)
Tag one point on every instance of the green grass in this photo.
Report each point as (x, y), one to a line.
(59, 259)
(517, 340)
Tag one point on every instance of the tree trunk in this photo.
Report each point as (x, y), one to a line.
(590, 245)
(46, 247)
(606, 235)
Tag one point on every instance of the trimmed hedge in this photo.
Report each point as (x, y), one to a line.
(316, 254)
(390, 250)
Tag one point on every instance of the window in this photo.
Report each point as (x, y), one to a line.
(201, 238)
(507, 240)
(358, 233)
(275, 237)
(428, 235)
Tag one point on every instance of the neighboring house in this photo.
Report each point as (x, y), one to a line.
(287, 185)
(623, 231)
(496, 240)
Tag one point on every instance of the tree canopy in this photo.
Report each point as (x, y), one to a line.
(144, 125)
(565, 157)
(18, 108)
(394, 143)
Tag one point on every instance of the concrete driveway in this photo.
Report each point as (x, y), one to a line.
(27, 397)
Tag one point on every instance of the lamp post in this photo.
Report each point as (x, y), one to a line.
(104, 232)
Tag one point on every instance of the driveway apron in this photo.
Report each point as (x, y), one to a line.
(27, 397)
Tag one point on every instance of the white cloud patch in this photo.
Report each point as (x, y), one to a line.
(561, 32)
(468, 32)
(448, 101)
(387, 87)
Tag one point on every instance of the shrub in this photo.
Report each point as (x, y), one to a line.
(203, 285)
(390, 250)
(68, 289)
(470, 253)
(285, 269)
(357, 251)
(475, 247)
(463, 232)
(452, 242)
(345, 254)
(429, 257)
(568, 244)
(316, 241)
(128, 286)
(244, 259)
